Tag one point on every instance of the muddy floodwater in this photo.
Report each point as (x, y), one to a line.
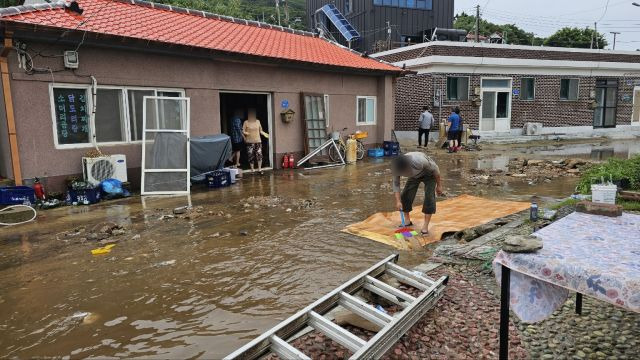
(204, 285)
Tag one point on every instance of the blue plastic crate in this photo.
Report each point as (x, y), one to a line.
(219, 179)
(81, 196)
(376, 152)
(16, 195)
(391, 146)
(390, 152)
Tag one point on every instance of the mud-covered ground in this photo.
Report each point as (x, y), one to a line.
(203, 281)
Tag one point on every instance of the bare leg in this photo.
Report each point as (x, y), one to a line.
(236, 156)
(425, 226)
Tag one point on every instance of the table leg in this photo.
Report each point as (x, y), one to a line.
(505, 287)
(578, 303)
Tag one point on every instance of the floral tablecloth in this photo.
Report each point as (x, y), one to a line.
(594, 255)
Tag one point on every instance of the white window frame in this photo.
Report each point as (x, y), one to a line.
(534, 88)
(375, 110)
(577, 90)
(446, 87)
(127, 121)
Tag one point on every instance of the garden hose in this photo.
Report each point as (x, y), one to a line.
(35, 214)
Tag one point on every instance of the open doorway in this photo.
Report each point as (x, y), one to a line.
(230, 102)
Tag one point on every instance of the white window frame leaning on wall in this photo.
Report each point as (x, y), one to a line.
(375, 109)
(124, 116)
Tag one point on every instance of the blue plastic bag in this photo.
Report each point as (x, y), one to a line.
(112, 187)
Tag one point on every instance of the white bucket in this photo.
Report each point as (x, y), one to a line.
(605, 194)
(234, 174)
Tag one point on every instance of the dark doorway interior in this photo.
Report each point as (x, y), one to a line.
(229, 102)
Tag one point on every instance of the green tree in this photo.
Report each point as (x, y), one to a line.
(511, 32)
(9, 3)
(576, 38)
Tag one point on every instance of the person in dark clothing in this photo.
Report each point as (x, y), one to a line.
(425, 123)
(237, 137)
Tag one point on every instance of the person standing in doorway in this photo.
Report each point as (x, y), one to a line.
(252, 129)
(425, 123)
(453, 123)
(418, 168)
(237, 136)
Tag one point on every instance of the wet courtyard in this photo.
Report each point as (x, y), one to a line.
(247, 257)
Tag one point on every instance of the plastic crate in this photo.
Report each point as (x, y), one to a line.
(219, 179)
(391, 152)
(391, 145)
(16, 195)
(83, 196)
(376, 152)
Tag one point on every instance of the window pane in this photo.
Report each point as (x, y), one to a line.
(170, 114)
(422, 4)
(135, 111)
(600, 93)
(610, 117)
(109, 116)
(488, 101)
(72, 115)
(463, 88)
(452, 88)
(429, 4)
(411, 3)
(496, 83)
(387, 2)
(377, 2)
(403, 3)
(362, 105)
(612, 94)
(394, 3)
(371, 111)
(527, 89)
(598, 120)
(573, 89)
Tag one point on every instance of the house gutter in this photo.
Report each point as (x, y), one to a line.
(8, 107)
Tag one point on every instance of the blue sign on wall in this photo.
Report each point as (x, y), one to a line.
(516, 92)
(285, 104)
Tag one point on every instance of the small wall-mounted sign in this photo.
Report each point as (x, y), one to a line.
(627, 98)
(516, 92)
(285, 104)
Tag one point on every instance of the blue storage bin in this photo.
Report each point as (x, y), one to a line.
(390, 152)
(79, 196)
(376, 152)
(219, 179)
(391, 145)
(16, 195)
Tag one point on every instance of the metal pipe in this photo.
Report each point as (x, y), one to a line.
(505, 287)
(8, 106)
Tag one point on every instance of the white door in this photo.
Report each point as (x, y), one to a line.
(635, 117)
(495, 114)
(165, 146)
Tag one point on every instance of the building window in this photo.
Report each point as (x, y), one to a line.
(457, 88)
(348, 7)
(496, 83)
(606, 103)
(527, 89)
(118, 117)
(405, 4)
(366, 110)
(569, 89)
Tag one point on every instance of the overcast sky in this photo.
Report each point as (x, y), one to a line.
(544, 17)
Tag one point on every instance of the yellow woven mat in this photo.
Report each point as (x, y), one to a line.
(452, 215)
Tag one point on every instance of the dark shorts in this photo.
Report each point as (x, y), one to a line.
(453, 135)
(410, 190)
(236, 146)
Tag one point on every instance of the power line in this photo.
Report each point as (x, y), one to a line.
(606, 7)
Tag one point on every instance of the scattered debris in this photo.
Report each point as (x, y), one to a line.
(599, 209)
(103, 250)
(521, 244)
(166, 263)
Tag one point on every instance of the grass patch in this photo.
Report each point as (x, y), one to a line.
(629, 205)
(618, 170)
(566, 202)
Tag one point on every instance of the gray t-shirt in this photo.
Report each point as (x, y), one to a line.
(426, 120)
(420, 165)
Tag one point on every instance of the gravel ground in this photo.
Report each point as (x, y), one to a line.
(463, 325)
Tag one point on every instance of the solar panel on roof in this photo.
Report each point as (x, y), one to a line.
(339, 21)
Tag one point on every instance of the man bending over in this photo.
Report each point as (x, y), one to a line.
(419, 168)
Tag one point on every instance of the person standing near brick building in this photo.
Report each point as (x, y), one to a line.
(425, 123)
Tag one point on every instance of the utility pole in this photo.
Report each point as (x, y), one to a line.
(286, 11)
(477, 23)
(278, 11)
(595, 35)
(615, 33)
(592, 35)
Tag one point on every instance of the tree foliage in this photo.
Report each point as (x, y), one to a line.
(576, 38)
(512, 33)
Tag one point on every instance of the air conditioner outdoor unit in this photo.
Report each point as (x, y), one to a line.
(98, 169)
(532, 128)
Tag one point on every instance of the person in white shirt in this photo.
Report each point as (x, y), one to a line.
(425, 123)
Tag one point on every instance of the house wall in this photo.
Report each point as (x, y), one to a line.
(202, 80)
(413, 92)
(371, 21)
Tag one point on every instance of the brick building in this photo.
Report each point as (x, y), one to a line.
(500, 88)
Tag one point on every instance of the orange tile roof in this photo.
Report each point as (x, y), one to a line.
(161, 23)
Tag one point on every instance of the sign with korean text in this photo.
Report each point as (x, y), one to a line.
(72, 115)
